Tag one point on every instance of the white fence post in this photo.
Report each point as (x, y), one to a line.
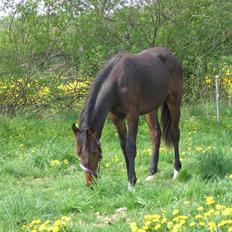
(217, 99)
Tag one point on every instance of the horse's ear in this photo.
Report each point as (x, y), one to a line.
(75, 129)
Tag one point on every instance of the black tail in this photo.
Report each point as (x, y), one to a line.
(166, 124)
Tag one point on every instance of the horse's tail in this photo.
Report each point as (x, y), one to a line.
(166, 124)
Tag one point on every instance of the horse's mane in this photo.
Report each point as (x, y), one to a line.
(86, 113)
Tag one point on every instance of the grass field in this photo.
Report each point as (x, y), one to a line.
(42, 187)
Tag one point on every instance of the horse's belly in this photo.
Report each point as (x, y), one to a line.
(152, 97)
(148, 106)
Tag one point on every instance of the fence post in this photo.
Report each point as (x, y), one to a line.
(217, 99)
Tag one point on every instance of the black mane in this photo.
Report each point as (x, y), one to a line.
(86, 113)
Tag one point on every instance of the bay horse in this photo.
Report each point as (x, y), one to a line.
(131, 85)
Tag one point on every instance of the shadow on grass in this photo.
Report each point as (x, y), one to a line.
(213, 165)
(184, 175)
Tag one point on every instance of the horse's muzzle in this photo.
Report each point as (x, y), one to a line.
(90, 175)
(89, 179)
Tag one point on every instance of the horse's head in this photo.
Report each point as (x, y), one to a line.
(89, 150)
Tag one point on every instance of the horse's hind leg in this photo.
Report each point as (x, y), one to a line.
(174, 108)
(122, 133)
(153, 124)
(132, 119)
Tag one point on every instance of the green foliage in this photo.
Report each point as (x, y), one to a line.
(47, 42)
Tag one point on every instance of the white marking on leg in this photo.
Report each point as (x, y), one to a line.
(150, 178)
(175, 174)
(130, 187)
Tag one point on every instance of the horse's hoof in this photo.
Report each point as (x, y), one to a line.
(150, 178)
(130, 187)
(175, 174)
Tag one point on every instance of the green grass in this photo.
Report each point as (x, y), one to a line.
(31, 188)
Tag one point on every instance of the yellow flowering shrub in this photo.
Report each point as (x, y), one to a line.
(74, 86)
(48, 91)
(225, 80)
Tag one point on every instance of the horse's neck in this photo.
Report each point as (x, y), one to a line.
(103, 103)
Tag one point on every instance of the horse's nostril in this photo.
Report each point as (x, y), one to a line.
(88, 184)
(88, 178)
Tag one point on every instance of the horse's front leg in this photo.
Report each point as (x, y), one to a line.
(131, 147)
(122, 133)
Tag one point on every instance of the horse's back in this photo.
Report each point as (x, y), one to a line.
(144, 80)
(165, 56)
(172, 66)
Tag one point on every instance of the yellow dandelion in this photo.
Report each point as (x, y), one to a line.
(36, 222)
(107, 165)
(133, 227)
(230, 176)
(47, 222)
(210, 200)
(183, 217)
(157, 227)
(199, 149)
(156, 216)
(227, 212)
(192, 224)
(65, 162)
(218, 207)
(198, 216)
(164, 220)
(175, 219)
(187, 202)
(200, 208)
(49, 228)
(207, 214)
(170, 225)
(147, 223)
(175, 211)
(177, 227)
(33, 150)
(225, 222)
(141, 230)
(148, 218)
(55, 162)
(24, 227)
(212, 226)
(145, 227)
(182, 222)
(201, 223)
(211, 211)
(43, 227)
(58, 223)
(56, 229)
